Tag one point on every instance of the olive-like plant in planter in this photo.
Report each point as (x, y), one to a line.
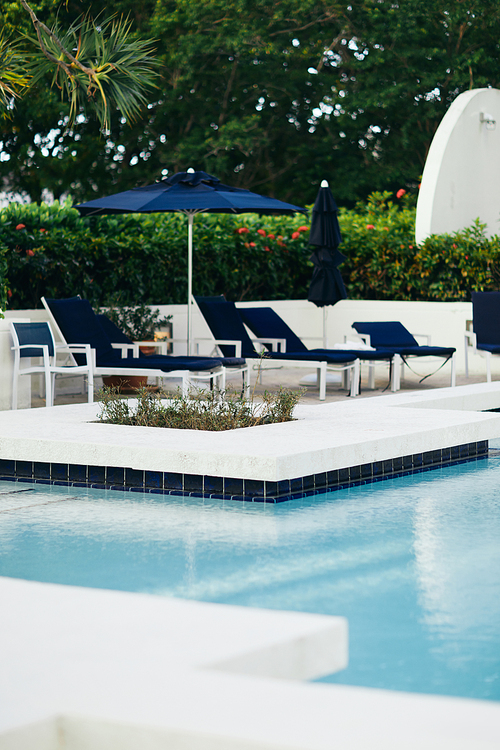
(139, 323)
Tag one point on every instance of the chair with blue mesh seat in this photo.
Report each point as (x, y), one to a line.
(393, 336)
(36, 340)
(231, 337)
(484, 339)
(76, 322)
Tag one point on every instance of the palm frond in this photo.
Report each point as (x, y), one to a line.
(96, 63)
(13, 75)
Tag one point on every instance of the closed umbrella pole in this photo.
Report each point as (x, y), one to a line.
(326, 287)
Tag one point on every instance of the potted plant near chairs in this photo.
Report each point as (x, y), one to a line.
(138, 323)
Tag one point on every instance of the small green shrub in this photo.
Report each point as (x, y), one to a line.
(139, 322)
(200, 410)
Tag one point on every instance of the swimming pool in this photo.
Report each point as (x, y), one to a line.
(413, 563)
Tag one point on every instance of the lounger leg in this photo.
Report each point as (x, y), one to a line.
(466, 357)
(49, 393)
(488, 367)
(15, 378)
(355, 373)
(246, 383)
(453, 378)
(396, 373)
(371, 376)
(186, 384)
(90, 387)
(322, 381)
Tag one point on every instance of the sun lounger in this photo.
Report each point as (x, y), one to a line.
(231, 337)
(77, 323)
(393, 336)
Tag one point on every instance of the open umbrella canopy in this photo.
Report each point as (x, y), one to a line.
(189, 193)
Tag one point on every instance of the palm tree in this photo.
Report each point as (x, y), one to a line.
(96, 64)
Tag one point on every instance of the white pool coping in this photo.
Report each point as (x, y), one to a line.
(325, 437)
(84, 669)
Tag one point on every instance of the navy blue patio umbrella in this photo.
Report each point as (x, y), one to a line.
(327, 286)
(189, 193)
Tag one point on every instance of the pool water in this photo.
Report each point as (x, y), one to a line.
(413, 563)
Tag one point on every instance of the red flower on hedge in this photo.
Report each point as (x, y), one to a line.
(270, 236)
(295, 235)
(370, 226)
(252, 244)
(242, 230)
(9, 293)
(267, 249)
(262, 232)
(30, 252)
(303, 229)
(43, 230)
(400, 193)
(21, 226)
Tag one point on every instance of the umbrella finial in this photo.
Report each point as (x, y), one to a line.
(190, 170)
(324, 183)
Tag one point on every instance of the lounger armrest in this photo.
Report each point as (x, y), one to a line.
(312, 338)
(78, 349)
(231, 342)
(425, 336)
(126, 348)
(353, 335)
(278, 345)
(470, 339)
(160, 346)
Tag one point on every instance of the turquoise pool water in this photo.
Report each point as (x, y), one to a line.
(413, 563)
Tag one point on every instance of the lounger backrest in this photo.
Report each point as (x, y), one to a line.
(266, 323)
(486, 317)
(387, 335)
(114, 333)
(224, 321)
(80, 325)
(37, 334)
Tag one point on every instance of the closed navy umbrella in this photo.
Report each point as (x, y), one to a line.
(327, 286)
(189, 193)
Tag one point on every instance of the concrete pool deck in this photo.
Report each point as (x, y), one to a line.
(266, 462)
(84, 669)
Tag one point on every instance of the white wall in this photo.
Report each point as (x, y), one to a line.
(461, 178)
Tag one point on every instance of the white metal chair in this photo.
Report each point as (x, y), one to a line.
(36, 340)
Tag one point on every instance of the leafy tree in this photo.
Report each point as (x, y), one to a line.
(273, 97)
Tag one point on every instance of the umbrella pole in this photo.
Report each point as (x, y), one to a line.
(325, 320)
(190, 279)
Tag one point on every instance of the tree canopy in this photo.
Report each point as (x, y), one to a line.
(269, 96)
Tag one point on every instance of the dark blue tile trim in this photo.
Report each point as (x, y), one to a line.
(233, 488)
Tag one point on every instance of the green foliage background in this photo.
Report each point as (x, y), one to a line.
(136, 259)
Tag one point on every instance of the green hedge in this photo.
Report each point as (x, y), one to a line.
(129, 259)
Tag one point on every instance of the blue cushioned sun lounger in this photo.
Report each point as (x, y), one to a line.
(393, 336)
(484, 339)
(78, 324)
(265, 322)
(230, 335)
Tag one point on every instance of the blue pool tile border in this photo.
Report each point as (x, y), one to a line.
(233, 488)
